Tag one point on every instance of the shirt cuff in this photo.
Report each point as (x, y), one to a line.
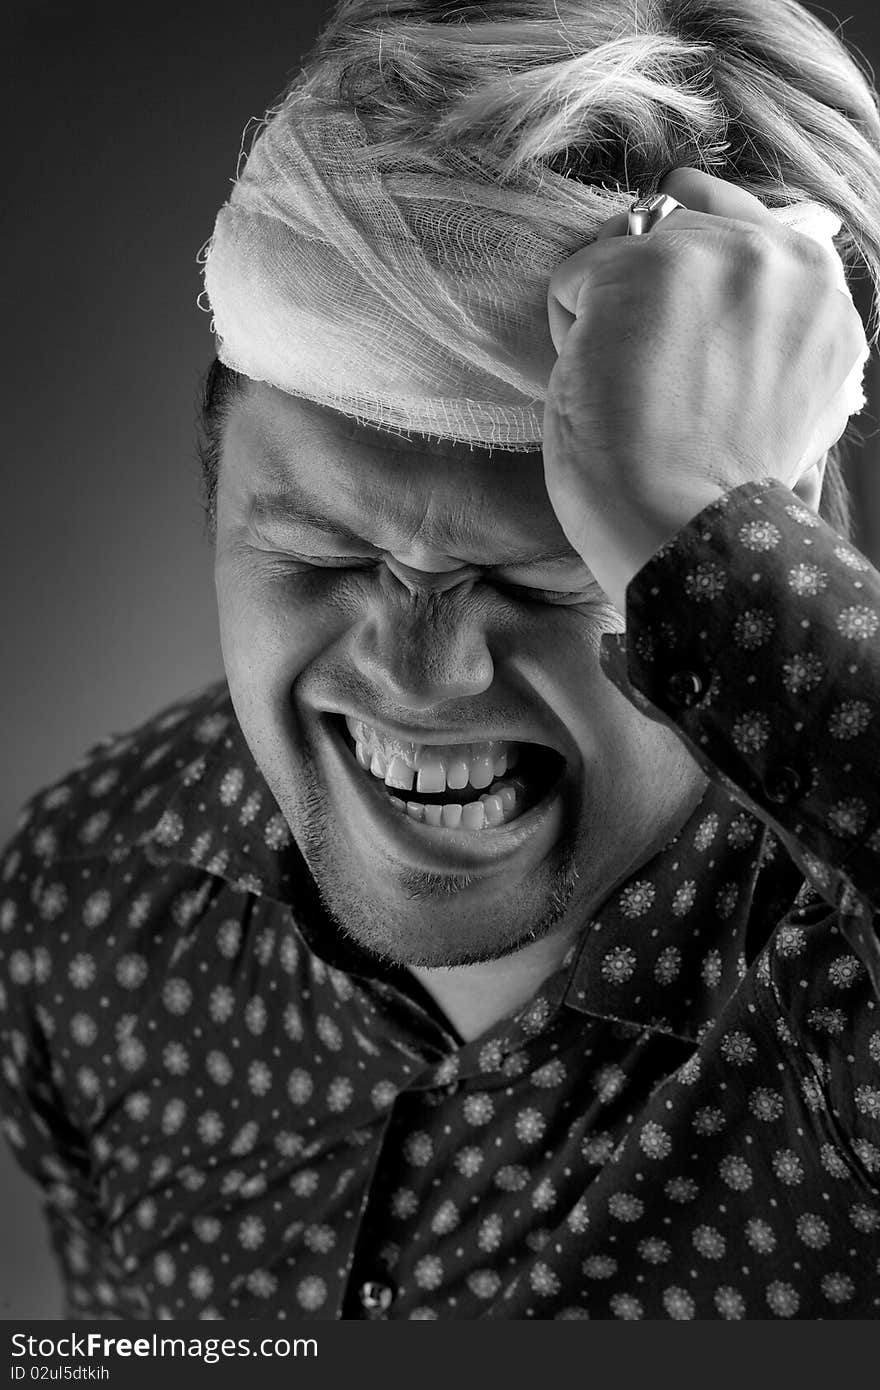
(751, 633)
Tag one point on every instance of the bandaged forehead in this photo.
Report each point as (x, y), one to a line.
(412, 298)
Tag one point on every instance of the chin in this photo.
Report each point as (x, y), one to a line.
(410, 917)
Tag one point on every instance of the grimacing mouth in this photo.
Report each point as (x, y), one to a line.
(538, 772)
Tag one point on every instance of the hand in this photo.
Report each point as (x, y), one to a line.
(704, 354)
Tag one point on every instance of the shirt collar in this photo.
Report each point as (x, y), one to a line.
(669, 947)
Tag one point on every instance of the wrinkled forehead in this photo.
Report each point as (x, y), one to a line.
(448, 495)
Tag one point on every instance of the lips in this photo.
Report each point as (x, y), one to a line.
(383, 840)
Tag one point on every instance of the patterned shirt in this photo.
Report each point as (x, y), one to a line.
(233, 1113)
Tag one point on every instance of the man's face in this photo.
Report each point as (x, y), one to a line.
(412, 652)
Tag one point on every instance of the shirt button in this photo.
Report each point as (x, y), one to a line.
(783, 784)
(684, 689)
(375, 1298)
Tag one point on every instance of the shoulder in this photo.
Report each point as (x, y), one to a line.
(115, 793)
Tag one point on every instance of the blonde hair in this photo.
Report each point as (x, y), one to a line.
(617, 92)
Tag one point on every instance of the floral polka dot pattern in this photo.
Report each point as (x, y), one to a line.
(234, 1114)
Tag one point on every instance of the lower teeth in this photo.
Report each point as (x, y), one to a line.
(495, 808)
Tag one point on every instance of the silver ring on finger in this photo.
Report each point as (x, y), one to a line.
(645, 213)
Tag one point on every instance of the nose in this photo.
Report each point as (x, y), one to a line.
(423, 642)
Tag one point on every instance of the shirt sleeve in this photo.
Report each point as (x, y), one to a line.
(43, 1140)
(753, 634)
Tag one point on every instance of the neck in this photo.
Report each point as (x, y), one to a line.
(474, 997)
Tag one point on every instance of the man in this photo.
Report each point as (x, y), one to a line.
(500, 943)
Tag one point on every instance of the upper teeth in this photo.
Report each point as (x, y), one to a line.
(431, 768)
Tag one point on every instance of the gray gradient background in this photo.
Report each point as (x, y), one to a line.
(122, 136)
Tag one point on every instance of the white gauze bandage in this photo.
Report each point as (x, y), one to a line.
(412, 298)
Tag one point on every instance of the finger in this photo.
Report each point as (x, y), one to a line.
(703, 192)
(699, 192)
(567, 280)
(615, 226)
(704, 199)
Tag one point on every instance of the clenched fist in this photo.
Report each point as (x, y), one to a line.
(707, 353)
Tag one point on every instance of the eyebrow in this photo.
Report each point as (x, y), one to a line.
(272, 507)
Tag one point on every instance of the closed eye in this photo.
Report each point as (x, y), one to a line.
(526, 594)
(333, 562)
(337, 562)
(522, 593)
